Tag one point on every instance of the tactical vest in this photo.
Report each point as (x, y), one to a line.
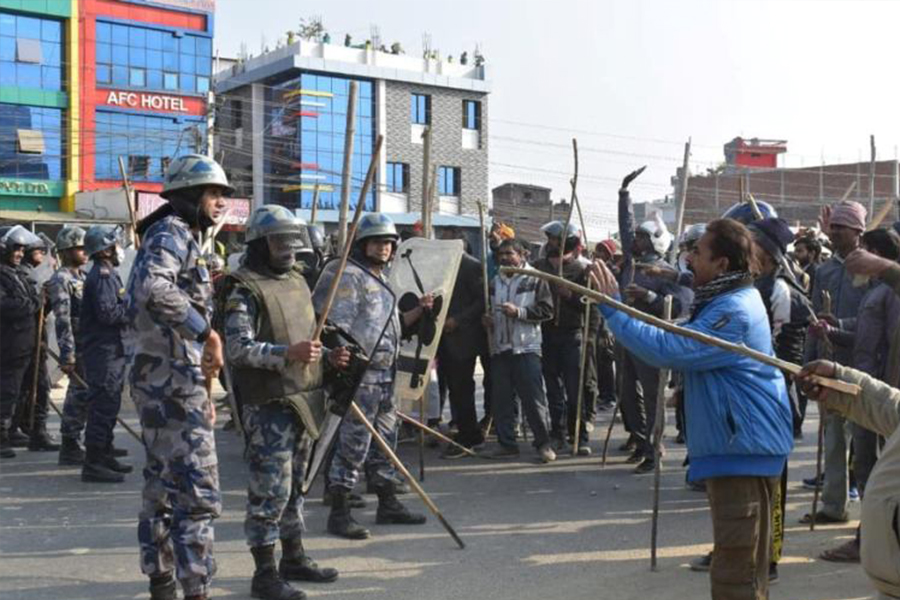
(286, 318)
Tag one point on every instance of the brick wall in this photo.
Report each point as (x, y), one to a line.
(446, 141)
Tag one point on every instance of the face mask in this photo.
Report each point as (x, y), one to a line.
(282, 251)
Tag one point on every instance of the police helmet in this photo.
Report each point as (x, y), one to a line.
(744, 213)
(16, 236)
(194, 170)
(554, 229)
(692, 234)
(70, 236)
(659, 234)
(271, 219)
(100, 237)
(376, 225)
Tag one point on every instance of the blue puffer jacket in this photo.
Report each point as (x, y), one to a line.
(738, 415)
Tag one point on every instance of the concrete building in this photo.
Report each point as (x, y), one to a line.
(281, 127)
(524, 207)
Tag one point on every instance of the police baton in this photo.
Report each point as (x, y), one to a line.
(82, 383)
(32, 404)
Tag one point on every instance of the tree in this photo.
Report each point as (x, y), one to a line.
(311, 29)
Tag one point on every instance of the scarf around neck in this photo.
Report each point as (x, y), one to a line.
(725, 282)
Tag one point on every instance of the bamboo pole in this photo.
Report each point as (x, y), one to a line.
(791, 368)
(389, 452)
(849, 191)
(882, 215)
(612, 423)
(565, 231)
(314, 209)
(659, 426)
(32, 403)
(579, 404)
(345, 254)
(682, 193)
(347, 171)
(425, 428)
(129, 193)
(820, 438)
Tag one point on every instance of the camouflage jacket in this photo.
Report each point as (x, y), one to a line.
(362, 307)
(65, 289)
(169, 306)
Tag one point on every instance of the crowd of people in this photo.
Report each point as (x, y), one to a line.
(828, 298)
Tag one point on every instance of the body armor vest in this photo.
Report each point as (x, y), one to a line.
(286, 317)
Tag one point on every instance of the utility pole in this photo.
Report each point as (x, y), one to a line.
(346, 174)
(682, 192)
(872, 177)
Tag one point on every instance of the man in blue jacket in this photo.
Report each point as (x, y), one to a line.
(738, 414)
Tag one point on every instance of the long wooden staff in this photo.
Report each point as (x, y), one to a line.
(389, 452)
(32, 404)
(585, 334)
(345, 254)
(126, 186)
(820, 438)
(82, 383)
(659, 426)
(612, 423)
(486, 288)
(789, 367)
(406, 418)
(565, 231)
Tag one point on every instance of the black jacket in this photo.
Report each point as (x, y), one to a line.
(19, 305)
(466, 308)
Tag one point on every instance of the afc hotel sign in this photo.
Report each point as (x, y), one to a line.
(146, 101)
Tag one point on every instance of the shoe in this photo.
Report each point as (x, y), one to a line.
(559, 444)
(354, 500)
(296, 565)
(41, 441)
(589, 425)
(117, 466)
(267, 584)
(630, 444)
(695, 486)
(340, 522)
(823, 518)
(400, 487)
(392, 512)
(679, 439)
(17, 439)
(97, 472)
(811, 484)
(163, 587)
(636, 457)
(702, 563)
(452, 452)
(584, 449)
(70, 453)
(119, 452)
(853, 494)
(773, 573)
(648, 465)
(605, 406)
(546, 454)
(502, 451)
(848, 552)
(6, 450)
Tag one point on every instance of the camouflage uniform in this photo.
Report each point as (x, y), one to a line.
(359, 308)
(65, 289)
(169, 309)
(276, 445)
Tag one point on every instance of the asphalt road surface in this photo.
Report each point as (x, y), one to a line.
(564, 530)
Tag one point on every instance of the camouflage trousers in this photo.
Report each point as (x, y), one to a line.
(75, 408)
(276, 458)
(181, 495)
(354, 448)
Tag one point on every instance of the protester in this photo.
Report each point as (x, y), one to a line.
(808, 254)
(279, 369)
(738, 416)
(520, 303)
(103, 322)
(174, 351)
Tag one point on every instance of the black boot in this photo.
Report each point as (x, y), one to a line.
(353, 500)
(119, 452)
(41, 441)
(295, 565)
(70, 453)
(18, 439)
(163, 587)
(6, 450)
(340, 522)
(96, 469)
(112, 463)
(392, 512)
(267, 584)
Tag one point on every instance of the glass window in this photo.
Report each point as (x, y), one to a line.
(51, 78)
(187, 64)
(187, 83)
(170, 60)
(448, 181)
(154, 59)
(104, 32)
(137, 77)
(120, 34)
(204, 46)
(104, 53)
(202, 84)
(471, 114)
(7, 48)
(28, 75)
(45, 122)
(188, 45)
(154, 79)
(120, 75)
(420, 109)
(7, 73)
(51, 31)
(170, 81)
(120, 55)
(137, 57)
(154, 39)
(28, 27)
(398, 178)
(104, 74)
(29, 51)
(138, 37)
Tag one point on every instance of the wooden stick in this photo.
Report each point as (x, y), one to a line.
(346, 172)
(849, 191)
(314, 210)
(82, 383)
(565, 231)
(345, 254)
(425, 428)
(211, 233)
(32, 404)
(486, 285)
(579, 404)
(682, 193)
(422, 431)
(389, 452)
(839, 386)
(126, 185)
(882, 215)
(820, 438)
(612, 423)
(659, 426)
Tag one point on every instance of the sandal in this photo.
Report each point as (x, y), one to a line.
(822, 517)
(848, 552)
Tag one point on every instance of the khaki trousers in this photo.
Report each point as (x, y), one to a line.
(741, 510)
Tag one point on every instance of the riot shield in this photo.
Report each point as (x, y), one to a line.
(422, 266)
(342, 385)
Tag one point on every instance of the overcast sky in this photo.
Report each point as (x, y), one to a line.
(632, 80)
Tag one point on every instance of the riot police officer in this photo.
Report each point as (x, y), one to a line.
(173, 350)
(359, 308)
(277, 368)
(64, 290)
(102, 323)
(19, 306)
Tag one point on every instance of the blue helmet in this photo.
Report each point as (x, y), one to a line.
(99, 238)
(376, 225)
(743, 212)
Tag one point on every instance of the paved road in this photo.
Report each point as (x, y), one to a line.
(566, 530)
